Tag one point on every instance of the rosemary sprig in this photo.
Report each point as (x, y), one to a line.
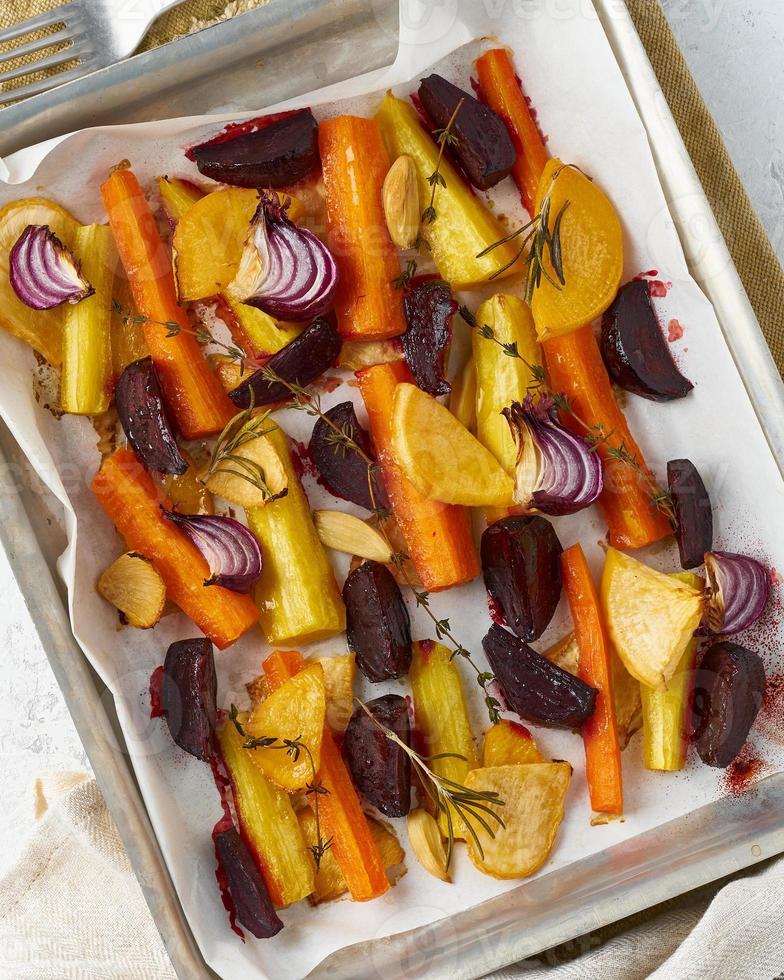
(239, 431)
(444, 137)
(293, 748)
(448, 795)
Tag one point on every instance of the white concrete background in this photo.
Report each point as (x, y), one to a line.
(734, 49)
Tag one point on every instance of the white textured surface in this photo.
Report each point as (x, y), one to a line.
(734, 50)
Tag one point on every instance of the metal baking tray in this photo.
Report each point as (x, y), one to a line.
(220, 68)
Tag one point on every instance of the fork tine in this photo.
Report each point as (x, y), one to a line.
(51, 61)
(52, 81)
(22, 50)
(36, 23)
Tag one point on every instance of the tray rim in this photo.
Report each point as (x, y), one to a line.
(89, 709)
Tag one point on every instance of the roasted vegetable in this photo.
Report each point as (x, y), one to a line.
(538, 690)
(693, 516)
(738, 592)
(522, 572)
(298, 597)
(463, 226)
(355, 355)
(188, 694)
(355, 164)
(509, 744)
(246, 887)
(381, 770)
(232, 553)
(246, 467)
(43, 272)
(426, 842)
(441, 718)
(378, 629)
(400, 199)
(728, 694)
(533, 809)
(342, 468)
(462, 402)
(267, 822)
(144, 418)
(300, 362)
(128, 342)
(346, 533)
(133, 586)
(339, 673)
(133, 502)
(278, 153)
(441, 457)
(256, 332)
(186, 491)
(482, 145)
(177, 196)
(429, 308)
(634, 349)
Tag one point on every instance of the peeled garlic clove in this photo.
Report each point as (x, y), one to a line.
(427, 843)
(346, 533)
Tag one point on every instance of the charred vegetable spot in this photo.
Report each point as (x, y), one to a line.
(144, 419)
(481, 145)
(378, 629)
(539, 691)
(429, 308)
(521, 565)
(381, 770)
(156, 693)
(343, 470)
(277, 155)
(189, 693)
(692, 507)
(634, 349)
(246, 886)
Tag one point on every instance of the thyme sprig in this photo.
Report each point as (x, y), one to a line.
(293, 748)
(406, 275)
(448, 795)
(444, 137)
(310, 403)
(243, 428)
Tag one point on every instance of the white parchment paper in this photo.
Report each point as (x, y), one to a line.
(590, 120)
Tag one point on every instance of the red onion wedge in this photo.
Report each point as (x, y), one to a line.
(556, 471)
(738, 591)
(231, 551)
(285, 270)
(43, 272)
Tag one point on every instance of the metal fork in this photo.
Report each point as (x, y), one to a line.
(98, 33)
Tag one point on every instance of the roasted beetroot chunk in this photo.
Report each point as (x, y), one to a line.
(276, 156)
(728, 693)
(429, 308)
(634, 349)
(343, 471)
(539, 691)
(693, 516)
(300, 362)
(248, 892)
(521, 565)
(381, 770)
(144, 420)
(483, 146)
(378, 629)
(189, 693)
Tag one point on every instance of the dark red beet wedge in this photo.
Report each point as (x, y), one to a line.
(483, 146)
(188, 695)
(539, 691)
(521, 565)
(381, 770)
(728, 693)
(634, 349)
(144, 420)
(276, 156)
(693, 516)
(342, 469)
(378, 629)
(300, 362)
(429, 308)
(248, 892)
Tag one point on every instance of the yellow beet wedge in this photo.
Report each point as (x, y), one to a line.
(441, 457)
(651, 617)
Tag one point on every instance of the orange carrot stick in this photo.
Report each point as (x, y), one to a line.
(501, 90)
(193, 394)
(575, 367)
(341, 814)
(438, 536)
(354, 163)
(131, 500)
(600, 731)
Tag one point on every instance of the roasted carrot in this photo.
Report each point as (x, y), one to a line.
(575, 368)
(131, 500)
(342, 817)
(438, 536)
(354, 162)
(600, 731)
(193, 394)
(501, 90)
